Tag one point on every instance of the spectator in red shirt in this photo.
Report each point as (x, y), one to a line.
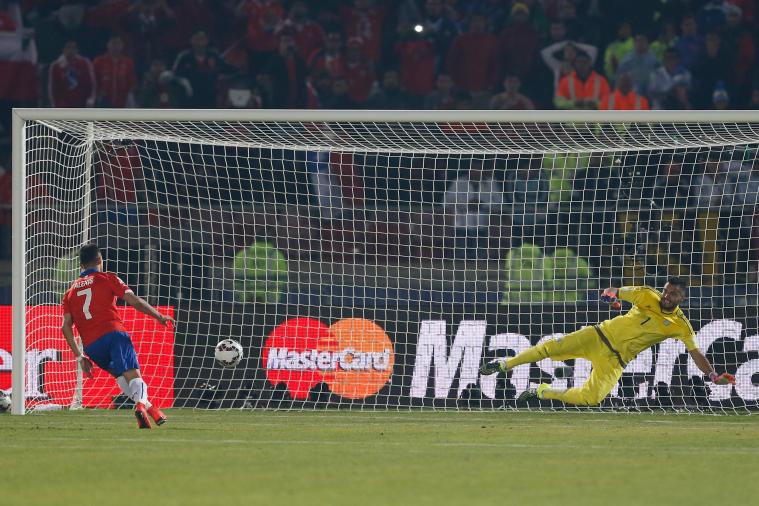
(309, 36)
(329, 58)
(364, 20)
(473, 60)
(71, 81)
(511, 98)
(107, 16)
(519, 43)
(417, 60)
(114, 76)
(264, 17)
(18, 60)
(359, 71)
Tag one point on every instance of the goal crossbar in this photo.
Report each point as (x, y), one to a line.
(364, 116)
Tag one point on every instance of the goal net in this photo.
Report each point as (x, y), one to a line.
(374, 260)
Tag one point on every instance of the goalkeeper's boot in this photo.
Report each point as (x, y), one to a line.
(157, 415)
(533, 393)
(142, 416)
(494, 366)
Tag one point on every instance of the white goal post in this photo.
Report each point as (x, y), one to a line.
(373, 259)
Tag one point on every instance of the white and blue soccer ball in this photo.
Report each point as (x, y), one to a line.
(228, 353)
(5, 402)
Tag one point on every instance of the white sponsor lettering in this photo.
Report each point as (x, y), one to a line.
(5, 360)
(466, 352)
(744, 384)
(35, 361)
(346, 360)
(704, 339)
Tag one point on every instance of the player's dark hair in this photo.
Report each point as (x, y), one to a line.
(88, 254)
(679, 282)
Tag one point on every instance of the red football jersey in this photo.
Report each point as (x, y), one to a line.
(91, 301)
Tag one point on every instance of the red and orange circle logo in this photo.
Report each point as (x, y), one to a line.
(353, 356)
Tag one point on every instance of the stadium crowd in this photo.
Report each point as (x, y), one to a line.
(400, 54)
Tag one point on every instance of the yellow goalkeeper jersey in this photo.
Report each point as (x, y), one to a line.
(645, 324)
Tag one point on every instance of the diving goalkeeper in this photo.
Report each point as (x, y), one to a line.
(612, 344)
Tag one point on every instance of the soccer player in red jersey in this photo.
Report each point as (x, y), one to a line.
(90, 304)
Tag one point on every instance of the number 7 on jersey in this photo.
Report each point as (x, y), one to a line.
(87, 292)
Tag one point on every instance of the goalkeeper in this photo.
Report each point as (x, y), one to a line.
(612, 344)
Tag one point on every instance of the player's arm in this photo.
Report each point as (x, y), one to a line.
(68, 332)
(142, 306)
(706, 367)
(631, 294)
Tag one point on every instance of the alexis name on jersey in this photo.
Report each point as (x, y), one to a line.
(83, 283)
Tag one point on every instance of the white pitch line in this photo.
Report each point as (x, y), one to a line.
(456, 416)
(379, 443)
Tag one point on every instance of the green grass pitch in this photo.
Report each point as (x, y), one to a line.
(387, 458)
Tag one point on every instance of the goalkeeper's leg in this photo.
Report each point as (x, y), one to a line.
(605, 374)
(580, 343)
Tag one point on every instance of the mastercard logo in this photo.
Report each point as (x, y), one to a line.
(353, 356)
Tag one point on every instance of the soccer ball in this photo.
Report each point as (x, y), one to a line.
(228, 353)
(5, 402)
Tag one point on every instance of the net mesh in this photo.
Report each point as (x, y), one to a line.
(377, 265)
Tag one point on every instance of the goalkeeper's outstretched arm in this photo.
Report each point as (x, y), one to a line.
(706, 367)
